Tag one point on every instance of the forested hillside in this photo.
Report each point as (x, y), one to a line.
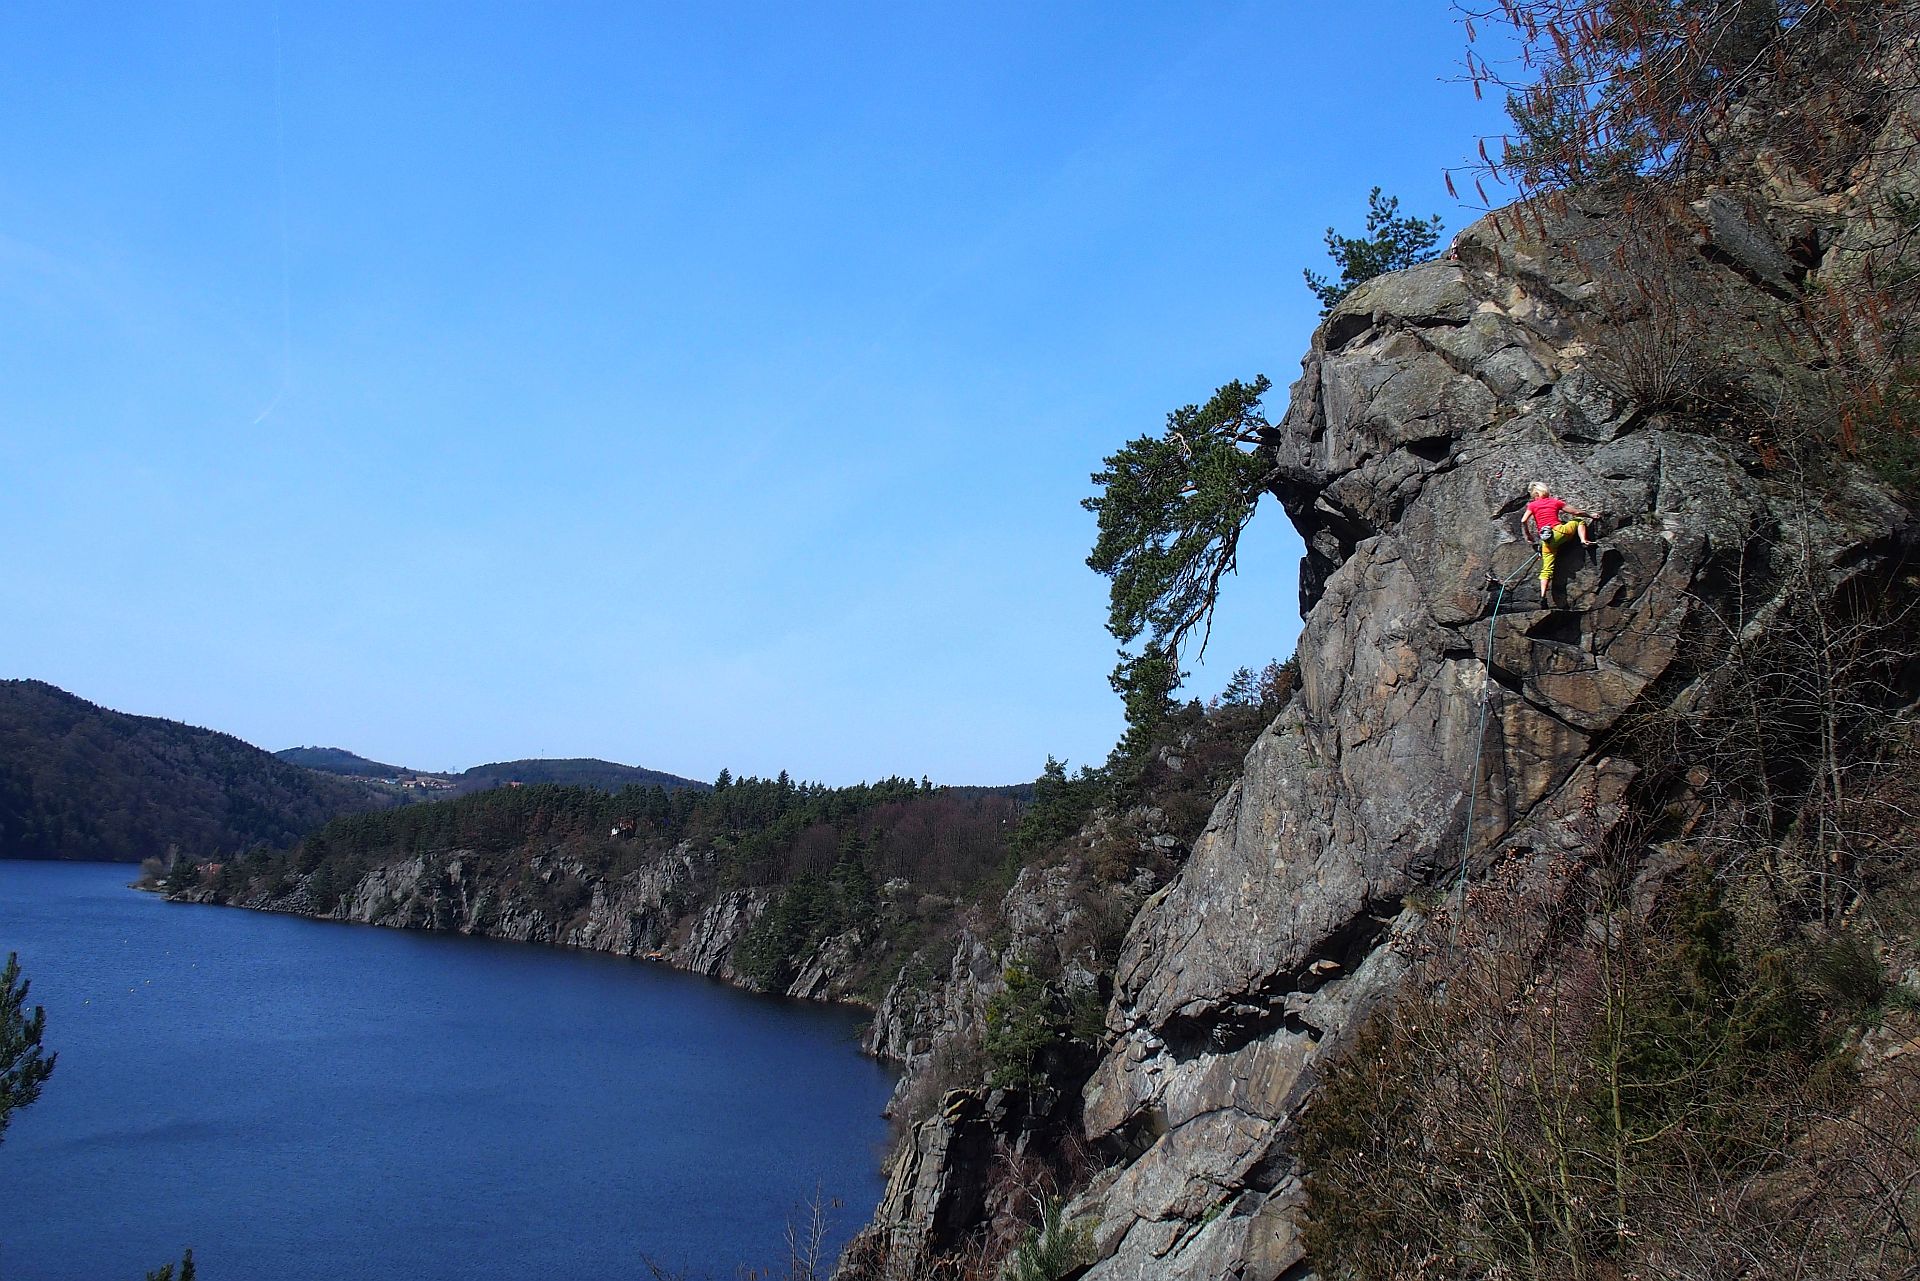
(852, 893)
(608, 776)
(338, 760)
(576, 771)
(770, 867)
(79, 781)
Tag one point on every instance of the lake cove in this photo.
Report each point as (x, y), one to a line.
(295, 1099)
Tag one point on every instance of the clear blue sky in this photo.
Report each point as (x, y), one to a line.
(689, 385)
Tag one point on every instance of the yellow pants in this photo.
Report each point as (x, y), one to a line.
(1551, 541)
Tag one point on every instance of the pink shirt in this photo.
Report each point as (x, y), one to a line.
(1545, 512)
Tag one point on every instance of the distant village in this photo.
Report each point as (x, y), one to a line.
(420, 782)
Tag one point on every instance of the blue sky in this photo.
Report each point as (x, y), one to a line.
(688, 385)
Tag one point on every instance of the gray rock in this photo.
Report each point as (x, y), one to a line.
(1726, 229)
(1425, 406)
(824, 975)
(717, 929)
(936, 1190)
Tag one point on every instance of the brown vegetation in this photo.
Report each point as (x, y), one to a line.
(1688, 1050)
(1659, 104)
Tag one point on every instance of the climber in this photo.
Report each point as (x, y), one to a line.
(1543, 525)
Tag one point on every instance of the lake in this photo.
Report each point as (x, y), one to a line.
(296, 1099)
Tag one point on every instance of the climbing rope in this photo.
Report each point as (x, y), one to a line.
(1486, 701)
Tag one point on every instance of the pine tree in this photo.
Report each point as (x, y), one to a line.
(1171, 509)
(1391, 243)
(24, 1066)
(167, 1273)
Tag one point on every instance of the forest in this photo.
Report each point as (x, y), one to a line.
(78, 781)
(896, 865)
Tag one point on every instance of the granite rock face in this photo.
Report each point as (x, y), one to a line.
(913, 1019)
(1448, 714)
(944, 1177)
(1437, 686)
(666, 910)
(937, 1190)
(919, 1016)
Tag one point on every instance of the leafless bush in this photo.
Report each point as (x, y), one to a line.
(807, 1232)
(1661, 337)
(1684, 1053)
(1606, 89)
(1580, 1089)
(1795, 763)
(958, 1061)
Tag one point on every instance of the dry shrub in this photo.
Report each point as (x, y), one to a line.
(1579, 1087)
(1844, 1204)
(958, 1061)
(1856, 340)
(1666, 338)
(1793, 772)
(1683, 1054)
(1598, 90)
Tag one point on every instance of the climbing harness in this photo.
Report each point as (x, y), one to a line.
(1486, 701)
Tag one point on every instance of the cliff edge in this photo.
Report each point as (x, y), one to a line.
(1594, 343)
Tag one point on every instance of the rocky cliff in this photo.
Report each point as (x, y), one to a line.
(791, 888)
(1447, 715)
(1645, 356)
(669, 910)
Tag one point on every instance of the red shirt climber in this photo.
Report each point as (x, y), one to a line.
(1543, 525)
(1545, 512)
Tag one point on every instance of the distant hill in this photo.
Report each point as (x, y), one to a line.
(80, 781)
(338, 760)
(608, 776)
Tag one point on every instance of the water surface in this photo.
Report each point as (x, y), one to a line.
(296, 1099)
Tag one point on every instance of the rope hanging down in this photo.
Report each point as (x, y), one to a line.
(1486, 701)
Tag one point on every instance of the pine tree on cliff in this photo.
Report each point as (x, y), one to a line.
(1392, 242)
(168, 1273)
(1171, 508)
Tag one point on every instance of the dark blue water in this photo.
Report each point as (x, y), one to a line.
(301, 1100)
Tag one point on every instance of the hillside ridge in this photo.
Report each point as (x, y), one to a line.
(82, 781)
(581, 770)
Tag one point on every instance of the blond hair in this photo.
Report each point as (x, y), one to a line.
(1538, 489)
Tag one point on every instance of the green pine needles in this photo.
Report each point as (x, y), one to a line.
(1391, 243)
(168, 1273)
(1054, 1249)
(24, 1066)
(1172, 506)
(1171, 509)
